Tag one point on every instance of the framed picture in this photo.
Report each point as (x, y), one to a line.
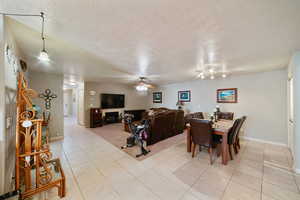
(184, 96)
(228, 95)
(157, 97)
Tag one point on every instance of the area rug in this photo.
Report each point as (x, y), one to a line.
(115, 135)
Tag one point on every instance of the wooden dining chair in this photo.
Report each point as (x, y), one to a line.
(232, 136)
(237, 145)
(189, 116)
(201, 132)
(226, 115)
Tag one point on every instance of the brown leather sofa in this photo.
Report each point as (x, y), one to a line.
(164, 123)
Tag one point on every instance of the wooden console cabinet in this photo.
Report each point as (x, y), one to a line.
(95, 117)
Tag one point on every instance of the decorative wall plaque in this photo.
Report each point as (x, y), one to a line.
(48, 96)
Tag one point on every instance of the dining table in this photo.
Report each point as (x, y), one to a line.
(221, 127)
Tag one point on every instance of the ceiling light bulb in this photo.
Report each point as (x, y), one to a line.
(44, 56)
(212, 77)
(211, 70)
(202, 77)
(141, 88)
(200, 74)
(224, 75)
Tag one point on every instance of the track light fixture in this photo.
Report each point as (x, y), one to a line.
(43, 54)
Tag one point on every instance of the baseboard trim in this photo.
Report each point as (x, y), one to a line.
(278, 166)
(53, 139)
(263, 141)
(297, 171)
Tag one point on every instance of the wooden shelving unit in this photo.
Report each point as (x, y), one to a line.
(36, 171)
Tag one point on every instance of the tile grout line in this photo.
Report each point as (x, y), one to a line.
(115, 160)
(99, 171)
(67, 159)
(298, 186)
(230, 179)
(159, 197)
(263, 174)
(285, 171)
(241, 152)
(136, 180)
(149, 189)
(193, 183)
(271, 183)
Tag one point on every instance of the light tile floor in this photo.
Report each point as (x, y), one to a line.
(97, 170)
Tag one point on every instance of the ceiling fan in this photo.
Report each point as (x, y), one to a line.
(142, 84)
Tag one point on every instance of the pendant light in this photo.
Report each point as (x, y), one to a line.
(43, 54)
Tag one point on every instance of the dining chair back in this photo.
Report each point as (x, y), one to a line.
(233, 131)
(237, 139)
(226, 115)
(239, 127)
(201, 132)
(197, 115)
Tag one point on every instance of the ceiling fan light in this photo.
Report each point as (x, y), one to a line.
(141, 88)
(44, 56)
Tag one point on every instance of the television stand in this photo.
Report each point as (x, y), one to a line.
(96, 117)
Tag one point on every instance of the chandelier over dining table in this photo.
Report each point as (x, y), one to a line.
(212, 70)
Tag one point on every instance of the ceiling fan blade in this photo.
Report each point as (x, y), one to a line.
(150, 86)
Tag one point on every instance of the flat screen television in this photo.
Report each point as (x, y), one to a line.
(112, 100)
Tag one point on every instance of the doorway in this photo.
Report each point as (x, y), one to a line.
(70, 104)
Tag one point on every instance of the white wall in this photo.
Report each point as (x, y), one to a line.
(133, 99)
(8, 89)
(261, 97)
(2, 107)
(41, 81)
(80, 98)
(74, 103)
(294, 72)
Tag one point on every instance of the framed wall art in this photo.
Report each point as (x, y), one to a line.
(184, 96)
(228, 95)
(157, 97)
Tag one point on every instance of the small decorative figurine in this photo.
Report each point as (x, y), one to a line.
(180, 104)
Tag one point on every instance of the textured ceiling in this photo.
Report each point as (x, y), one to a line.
(165, 40)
